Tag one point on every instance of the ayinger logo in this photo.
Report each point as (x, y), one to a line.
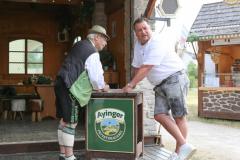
(110, 124)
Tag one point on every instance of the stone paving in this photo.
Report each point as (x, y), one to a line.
(38, 156)
(213, 142)
(25, 130)
(150, 153)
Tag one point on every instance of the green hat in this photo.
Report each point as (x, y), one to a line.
(100, 30)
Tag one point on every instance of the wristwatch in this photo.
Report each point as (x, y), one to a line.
(130, 85)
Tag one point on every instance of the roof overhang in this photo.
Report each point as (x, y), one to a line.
(212, 33)
(214, 37)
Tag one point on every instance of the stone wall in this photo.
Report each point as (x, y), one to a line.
(150, 125)
(221, 101)
(139, 9)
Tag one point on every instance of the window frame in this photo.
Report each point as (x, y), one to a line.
(26, 52)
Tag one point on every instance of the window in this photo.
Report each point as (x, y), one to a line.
(25, 57)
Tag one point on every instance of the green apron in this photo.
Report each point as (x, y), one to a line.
(82, 89)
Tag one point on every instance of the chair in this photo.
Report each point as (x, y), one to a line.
(6, 108)
(18, 106)
(1, 108)
(36, 107)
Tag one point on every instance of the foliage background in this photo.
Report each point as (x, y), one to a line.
(192, 74)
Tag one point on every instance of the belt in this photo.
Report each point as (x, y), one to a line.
(172, 75)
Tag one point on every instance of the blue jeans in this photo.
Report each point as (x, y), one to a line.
(171, 95)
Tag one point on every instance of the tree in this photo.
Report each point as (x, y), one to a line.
(192, 74)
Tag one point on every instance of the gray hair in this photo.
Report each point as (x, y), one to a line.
(91, 36)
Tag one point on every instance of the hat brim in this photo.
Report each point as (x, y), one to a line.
(105, 35)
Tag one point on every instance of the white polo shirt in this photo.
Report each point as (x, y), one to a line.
(159, 53)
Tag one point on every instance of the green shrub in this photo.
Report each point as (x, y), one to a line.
(192, 74)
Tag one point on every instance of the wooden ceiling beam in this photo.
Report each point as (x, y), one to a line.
(149, 9)
(66, 2)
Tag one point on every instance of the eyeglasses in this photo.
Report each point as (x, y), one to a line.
(103, 37)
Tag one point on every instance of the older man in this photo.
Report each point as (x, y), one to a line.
(80, 73)
(156, 60)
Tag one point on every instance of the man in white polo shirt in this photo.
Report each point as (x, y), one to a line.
(154, 59)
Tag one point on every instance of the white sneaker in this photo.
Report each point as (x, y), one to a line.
(173, 156)
(71, 158)
(186, 151)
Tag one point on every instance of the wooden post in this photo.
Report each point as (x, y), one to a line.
(149, 9)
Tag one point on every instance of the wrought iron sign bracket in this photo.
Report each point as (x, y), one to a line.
(162, 19)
